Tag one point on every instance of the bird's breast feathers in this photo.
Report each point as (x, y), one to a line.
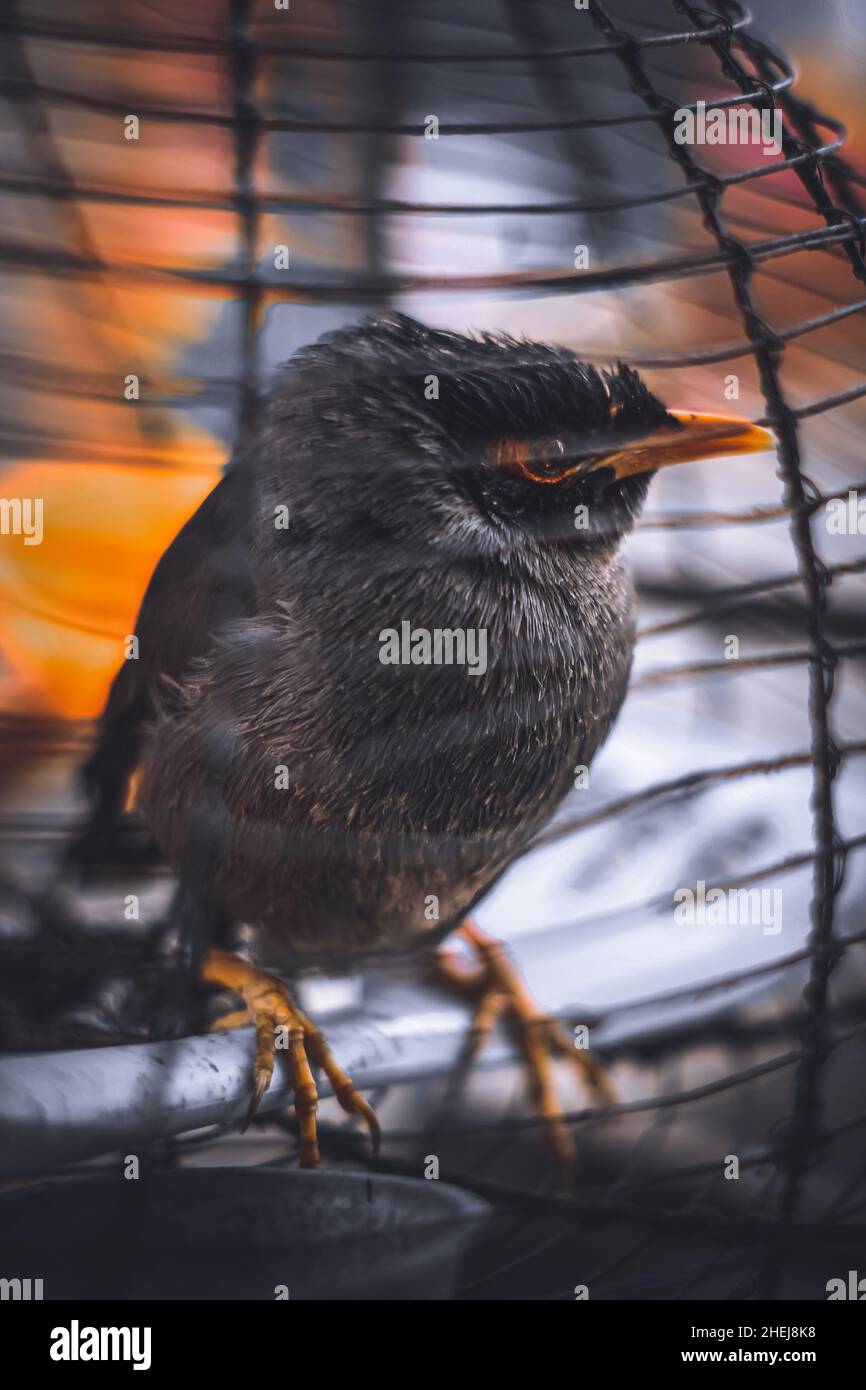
(372, 781)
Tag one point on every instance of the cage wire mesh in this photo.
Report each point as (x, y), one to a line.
(160, 253)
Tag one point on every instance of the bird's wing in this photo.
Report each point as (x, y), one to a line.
(194, 589)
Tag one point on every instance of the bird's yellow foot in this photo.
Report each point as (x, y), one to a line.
(270, 1006)
(498, 991)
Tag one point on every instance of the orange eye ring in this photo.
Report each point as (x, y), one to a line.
(681, 437)
(535, 460)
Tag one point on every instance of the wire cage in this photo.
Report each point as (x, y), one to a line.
(200, 193)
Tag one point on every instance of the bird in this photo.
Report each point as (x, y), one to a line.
(370, 663)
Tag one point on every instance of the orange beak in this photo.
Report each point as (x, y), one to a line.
(698, 437)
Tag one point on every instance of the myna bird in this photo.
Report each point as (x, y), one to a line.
(371, 662)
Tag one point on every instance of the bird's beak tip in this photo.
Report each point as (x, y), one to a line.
(692, 437)
(723, 432)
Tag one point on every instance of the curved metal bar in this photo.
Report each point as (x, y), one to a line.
(57, 1108)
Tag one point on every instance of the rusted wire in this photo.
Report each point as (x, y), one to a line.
(679, 786)
(62, 264)
(108, 36)
(677, 521)
(671, 1100)
(806, 1118)
(723, 600)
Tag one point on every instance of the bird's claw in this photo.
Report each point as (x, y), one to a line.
(274, 1012)
(260, 1085)
(497, 990)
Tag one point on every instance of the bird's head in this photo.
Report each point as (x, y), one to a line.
(479, 445)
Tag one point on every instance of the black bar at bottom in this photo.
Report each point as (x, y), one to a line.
(192, 1337)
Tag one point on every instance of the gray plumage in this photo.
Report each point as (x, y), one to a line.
(260, 646)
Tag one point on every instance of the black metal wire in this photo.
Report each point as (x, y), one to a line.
(806, 1119)
(107, 36)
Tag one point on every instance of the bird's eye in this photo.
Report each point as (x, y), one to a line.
(539, 460)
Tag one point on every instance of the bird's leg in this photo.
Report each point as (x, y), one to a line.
(270, 1006)
(498, 990)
